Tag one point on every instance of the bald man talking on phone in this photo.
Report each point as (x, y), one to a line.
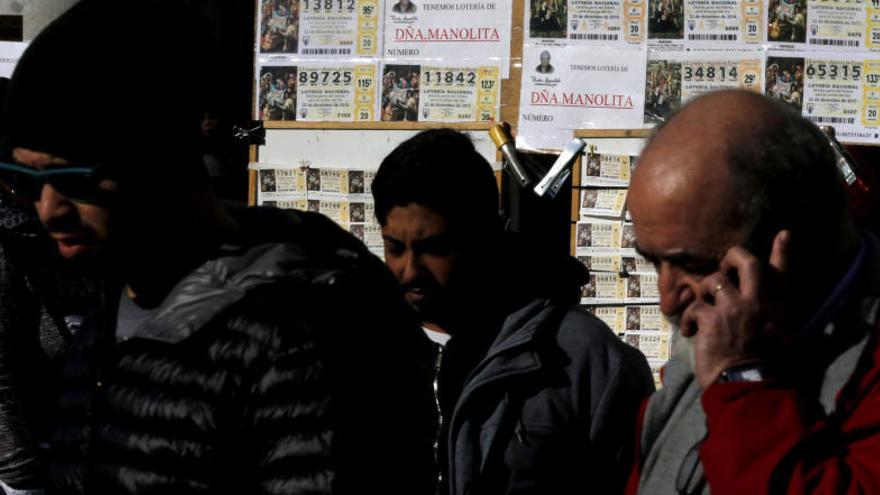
(738, 202)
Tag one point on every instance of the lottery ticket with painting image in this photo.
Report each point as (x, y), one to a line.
(693, 24)
(585, 22)
(317, 92)
(674, 77)
(838, 89)
(319, 28)
(439, 93)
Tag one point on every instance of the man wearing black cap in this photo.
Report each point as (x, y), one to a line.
(221, 362)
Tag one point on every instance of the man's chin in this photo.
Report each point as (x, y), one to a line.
(682, 347)
(423, 307)
(84, 259)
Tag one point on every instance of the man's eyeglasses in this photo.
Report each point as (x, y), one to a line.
(77, 183)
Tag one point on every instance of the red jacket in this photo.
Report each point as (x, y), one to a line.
(762, 440)
(771, 438)
(632, 481)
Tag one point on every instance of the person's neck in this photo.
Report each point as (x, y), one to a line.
(482, 313)
(435, 327)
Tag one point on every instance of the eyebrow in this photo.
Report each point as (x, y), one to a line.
(644, 254)
(676, 257)
(423, 242)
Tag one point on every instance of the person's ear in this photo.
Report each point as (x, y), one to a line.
(780, 253)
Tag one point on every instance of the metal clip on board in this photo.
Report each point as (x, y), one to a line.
(551, 183)
(255, 133)
(500, 134)
(561, 169)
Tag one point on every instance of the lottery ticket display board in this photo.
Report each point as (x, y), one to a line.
(819, 56)
(622, 286)
(381, 61)
(343, 195)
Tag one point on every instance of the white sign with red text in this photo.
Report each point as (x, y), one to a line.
(448, 30)
(578, 88)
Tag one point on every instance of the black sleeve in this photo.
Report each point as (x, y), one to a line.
(19, 314)
(617, 414)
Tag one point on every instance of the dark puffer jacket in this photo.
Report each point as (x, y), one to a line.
(273, 368)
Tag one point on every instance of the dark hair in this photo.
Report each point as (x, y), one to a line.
(441, 170)
(789, 180)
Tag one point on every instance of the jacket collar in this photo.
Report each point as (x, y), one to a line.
(223, 281)
(274, 245)
(512, 352)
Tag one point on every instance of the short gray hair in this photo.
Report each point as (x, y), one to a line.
(784, 176)
(788, 178)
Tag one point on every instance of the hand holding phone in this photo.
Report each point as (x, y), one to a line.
(735, 315)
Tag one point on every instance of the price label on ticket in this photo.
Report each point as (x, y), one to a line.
(829, 88)
(427, 93)
(673, 78)
(320, 28)
(311, 92)
(586, 22)
(871, 94)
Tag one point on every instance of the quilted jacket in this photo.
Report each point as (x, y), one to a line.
(287, 363)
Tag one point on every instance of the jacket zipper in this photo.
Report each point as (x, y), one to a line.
(437, 437)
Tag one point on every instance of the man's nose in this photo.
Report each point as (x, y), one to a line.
(411, 268)
(676, 287)
(52, 205)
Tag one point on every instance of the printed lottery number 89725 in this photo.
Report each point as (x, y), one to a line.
(325, 77)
